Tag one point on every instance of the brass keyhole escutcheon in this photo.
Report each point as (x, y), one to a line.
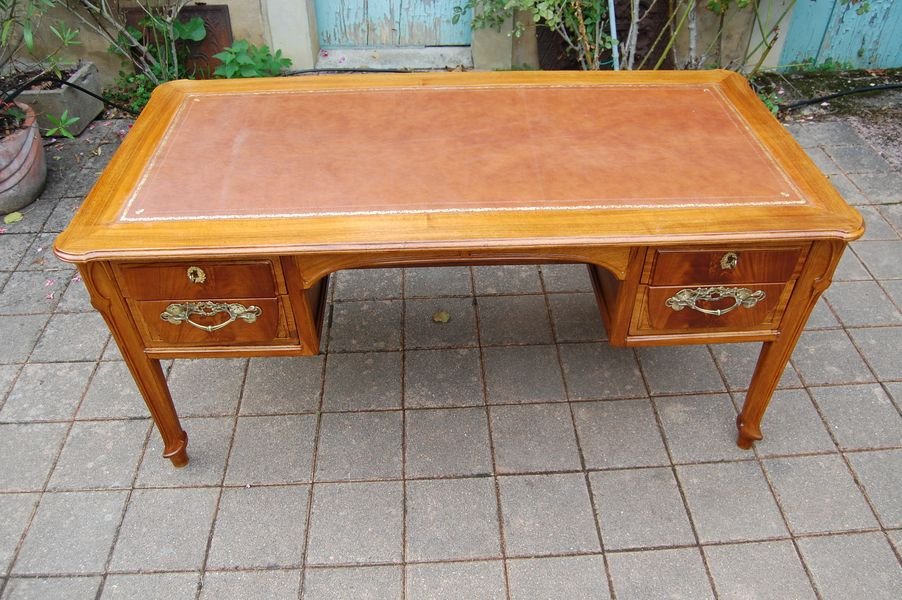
(729, 261)
(196, 275)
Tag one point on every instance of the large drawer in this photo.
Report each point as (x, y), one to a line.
(723, 266)
(199, 280)
(232, 322)
(753, 307)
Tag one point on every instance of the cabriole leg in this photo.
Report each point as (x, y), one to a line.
(148, 375)
(814, 279)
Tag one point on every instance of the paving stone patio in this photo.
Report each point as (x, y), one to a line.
(510, 453)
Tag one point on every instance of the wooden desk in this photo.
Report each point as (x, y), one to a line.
(213, 228)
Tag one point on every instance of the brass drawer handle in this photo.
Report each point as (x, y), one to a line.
(687, 299)
(181, 313)
(729, 261)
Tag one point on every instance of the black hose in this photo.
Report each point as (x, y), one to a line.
(339, 70)
(862, 90)
(12, 95)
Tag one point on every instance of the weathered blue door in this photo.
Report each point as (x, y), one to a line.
(390, 23)
(849, 32)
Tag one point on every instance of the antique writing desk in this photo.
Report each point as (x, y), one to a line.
(212, 230)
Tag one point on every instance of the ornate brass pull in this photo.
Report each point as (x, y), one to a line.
(688, 298)
(181, 313)
(196, 275)
(729, 261)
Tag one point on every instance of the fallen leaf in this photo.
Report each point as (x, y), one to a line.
(49, 296)
(97, 151)
(441, 316)
(13, 217)
(77, 277)
(2, 230)
(49, 282)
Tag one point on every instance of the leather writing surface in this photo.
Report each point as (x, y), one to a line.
(372, 151)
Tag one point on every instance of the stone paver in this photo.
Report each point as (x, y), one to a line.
(571, 577)
(251, 585)
(342, 510)
(640, 508)
(730, 502)
(353, 583)
(699, 428)
(442, 378)
(356, 446)
(100, 454)
(535, 437)
(510, 453)
(452, 519)
(447, 442)
(818, 494)
(547, 514)
(852, 566)
(89, 520)
(759, 570)
(448, 581)
(259, 527)
(165, 530)
(678, 573)
(272, 450)
(619, 433)
(521, 374)
(151, 586)
(360, 381)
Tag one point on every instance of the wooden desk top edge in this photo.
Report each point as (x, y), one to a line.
(95, 233)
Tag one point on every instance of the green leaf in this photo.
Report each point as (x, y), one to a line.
(7, 28)
(192, 29)
(249, 71)
(224, 56)
(13, 217)
(244, 59)
(28, 35)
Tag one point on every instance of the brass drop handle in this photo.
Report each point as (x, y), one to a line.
(729, 261)
(743, 297)
(196, 275)
(182, 313)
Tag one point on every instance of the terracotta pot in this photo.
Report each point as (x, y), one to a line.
(23, 170)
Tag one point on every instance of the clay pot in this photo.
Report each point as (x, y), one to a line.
(23, 171)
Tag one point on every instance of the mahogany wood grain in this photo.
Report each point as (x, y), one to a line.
(658, 317)
(254, 279)
(690, 267)
(270, 327)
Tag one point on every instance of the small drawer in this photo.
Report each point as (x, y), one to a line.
(199, 280)
(670, 308)
(724, 266)
(243, 321)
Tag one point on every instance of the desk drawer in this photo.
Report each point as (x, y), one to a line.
(724, 266)
(199, 280)
(236, 321)
(713, 308)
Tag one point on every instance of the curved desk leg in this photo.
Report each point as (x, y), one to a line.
(815, 278)
(148, 374)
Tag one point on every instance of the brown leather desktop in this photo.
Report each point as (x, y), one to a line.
(214, 227)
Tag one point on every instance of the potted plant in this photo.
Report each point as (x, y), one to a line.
(23, 171)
